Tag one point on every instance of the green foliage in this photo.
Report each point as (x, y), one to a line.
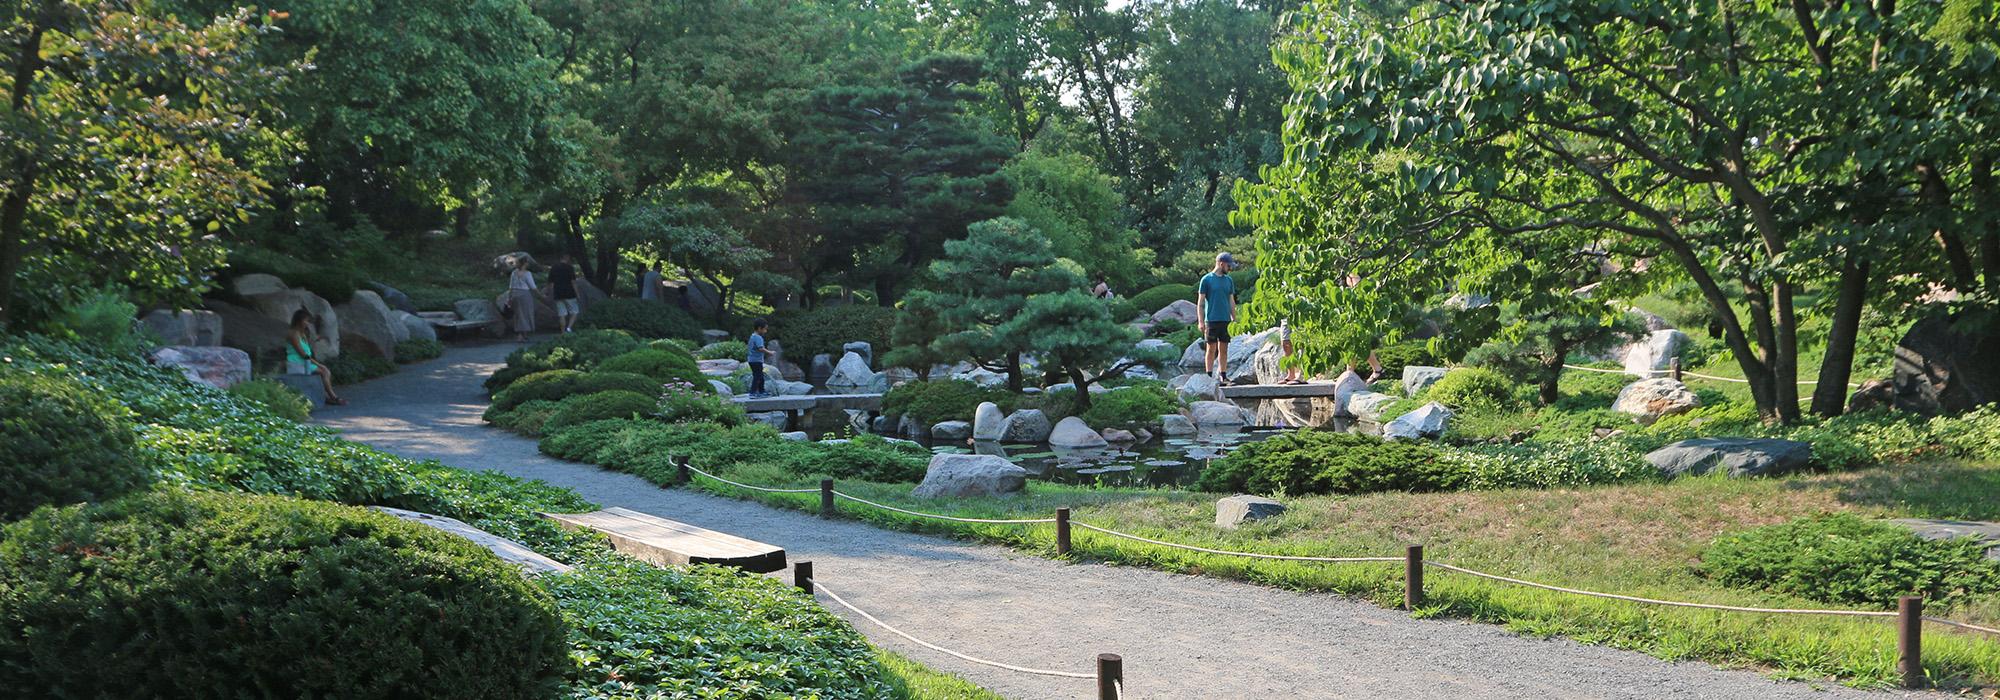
(230, 592)
(1131, 407)
(602, 405)
(525, 419)
(1561, 463)
(642, 318)
(647, 448)
(356, 367)
(1465, 387)
(103, 319)
(555, 385)
(681, 402)
(1395, 356)
(984, 281)
(1537, 345)
(334, 281)
(1078, 207)
(1159, 297)
(418, 350)
(1073, 332)
(1841, 558)
(707, 629)
(275, 397)
(1974, 434)
(581, 351)
(60, 443)
(939, 400)
(660, 365)
(681, 344)
(1316, 461)
(725, 350)
(808, 332)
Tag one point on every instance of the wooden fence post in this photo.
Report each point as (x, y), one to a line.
(1413, 577)
(826, 497)
(1110, 676)
(1062, 531)
(802, 576)
(681, 473)
(1675, 367)
(1910, 640)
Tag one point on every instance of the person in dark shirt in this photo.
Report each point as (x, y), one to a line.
(562, 282)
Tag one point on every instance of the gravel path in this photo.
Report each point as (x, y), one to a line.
(1181, 636)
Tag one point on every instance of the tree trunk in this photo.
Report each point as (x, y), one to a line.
(1830, 397)
(1785, 367)
(1082, 388)
(461, 219)
(1014, 372)
(14, 210)
(1986, 201)
(1550, 390)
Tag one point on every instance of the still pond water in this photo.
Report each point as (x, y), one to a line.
(1162, 462)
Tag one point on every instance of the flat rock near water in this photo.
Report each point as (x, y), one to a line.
(508, 550)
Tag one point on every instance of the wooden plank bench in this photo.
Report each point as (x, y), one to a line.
(668, 543)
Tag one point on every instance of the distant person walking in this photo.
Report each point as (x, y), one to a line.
(759, 351)
(300, 358)
(649, 283)
(562, 285)
(1216, 298)
(521, 299)
(1293, 375)
(1103, 288)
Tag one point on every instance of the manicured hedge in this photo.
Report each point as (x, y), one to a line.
(584, 408)
(580, 351)
(647, 448)
(1841, 558)
(1467, 387)
(660, 365)
(1152, 300)
(557, 384)
(1318, 461)
(643, 318)
(807, 332)
(61, 443)
(228, 595)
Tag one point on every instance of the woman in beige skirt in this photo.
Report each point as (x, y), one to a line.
(521, 299)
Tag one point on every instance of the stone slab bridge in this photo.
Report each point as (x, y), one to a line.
(796, 406)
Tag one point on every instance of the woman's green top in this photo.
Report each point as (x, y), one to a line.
(292, 356)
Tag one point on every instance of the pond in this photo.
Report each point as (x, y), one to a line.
(1162, 462)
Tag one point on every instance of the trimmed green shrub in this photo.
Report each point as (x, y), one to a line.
(647, 448)
(580, 351)
(643, 318)
(725, 350)
(681, 402)
(584, 408)
(1396, 356)
(256, 596)
(660, 365)
(939, 400)
(1841, 558)
(527, 418)
(276, 397)
(1466, 387)
(354, 368)
(1152, 300)
(61, 443)
(1133, 406)
(680, 344)
(104, 319)
(1560, 425)
(1556, 464)
(807, 332)
(418, 350)
(550, 385)
(1122, 309)
(1974, 434)
(1317, 461)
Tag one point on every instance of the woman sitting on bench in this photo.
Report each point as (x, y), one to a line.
(299, 355)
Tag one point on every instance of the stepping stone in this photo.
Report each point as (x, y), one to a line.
(1986, 533)
(668, 543)
(509, 551)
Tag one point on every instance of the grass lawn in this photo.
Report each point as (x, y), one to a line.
(1638, 540)
(918, 682)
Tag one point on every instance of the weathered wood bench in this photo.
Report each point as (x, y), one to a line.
(668, 543)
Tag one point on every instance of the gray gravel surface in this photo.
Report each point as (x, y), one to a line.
(1181, 636)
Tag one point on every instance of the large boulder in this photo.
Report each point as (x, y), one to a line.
(246, 329)
(1649, 400)
(1344, 388)
(776, 419)
(721, 388)
(1243, 348)
(852, 376)
(1176, 424)
(1369, 405)
(1267, 366)
(1198, 387)
(822, 368)
(415, 327)
(368, 326)
(1233, 511)
(1181, 310)
(1072, 432)
(1653, 321)
(1735, 456)
(981, 376)
(1118, 435)
(951, 430)
(1028, 425)
(277, 302)
(1985, 533)
(1874, 394)
(482, 311)
(1653, 355)
(1216, 413)
(785, 387)
(190, 328)
(1417, 378)
(988, 422)
(1939, 367)
(862, 348)
(970, 476)
(394, 297)
(217, 367)
(711, 336)
(1195, 355)
(726, 367)
(1428, 421)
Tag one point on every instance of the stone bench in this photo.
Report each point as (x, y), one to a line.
(308, 384)
(668, 543)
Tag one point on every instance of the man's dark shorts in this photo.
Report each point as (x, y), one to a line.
(1218, 331)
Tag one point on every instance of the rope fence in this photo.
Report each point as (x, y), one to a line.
(814, 584)
(1909, 614)
(1676, 372)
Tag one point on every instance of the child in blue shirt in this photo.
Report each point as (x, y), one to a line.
(758, 353)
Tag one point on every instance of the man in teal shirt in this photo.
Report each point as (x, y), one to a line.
(1216, 298)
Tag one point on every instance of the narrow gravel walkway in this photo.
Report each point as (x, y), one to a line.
(1181, 636)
